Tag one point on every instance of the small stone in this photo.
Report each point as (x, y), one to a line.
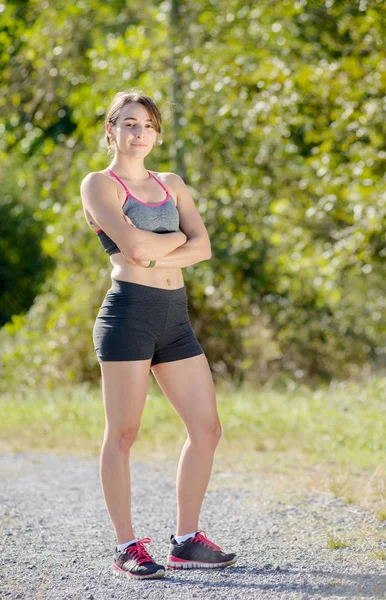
(267, 566)
(90, 597)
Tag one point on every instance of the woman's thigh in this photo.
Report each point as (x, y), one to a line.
(189, 386)
(124, 385)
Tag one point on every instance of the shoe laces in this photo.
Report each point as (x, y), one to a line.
(203, 539)
(139, 552)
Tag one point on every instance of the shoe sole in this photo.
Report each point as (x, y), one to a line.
(117, 572)
(171, 563)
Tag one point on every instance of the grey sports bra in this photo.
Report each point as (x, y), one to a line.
(161, 217)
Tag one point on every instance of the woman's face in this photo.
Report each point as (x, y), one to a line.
(134, 133)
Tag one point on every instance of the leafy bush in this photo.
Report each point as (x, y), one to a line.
(280, 135)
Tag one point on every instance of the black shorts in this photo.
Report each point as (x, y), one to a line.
(138, 322)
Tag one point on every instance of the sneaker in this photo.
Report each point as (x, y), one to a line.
(197, 552)
(135, 561)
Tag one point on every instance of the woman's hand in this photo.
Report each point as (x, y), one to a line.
(128, 220)
(137, 262)
(143, 263)
(133, 261)
(184, 237)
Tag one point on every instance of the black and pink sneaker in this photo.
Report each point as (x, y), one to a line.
(135, 561)
(197, 552)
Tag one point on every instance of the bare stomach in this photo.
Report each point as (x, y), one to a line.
(168, 278)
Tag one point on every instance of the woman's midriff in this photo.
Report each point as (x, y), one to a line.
(169, 278)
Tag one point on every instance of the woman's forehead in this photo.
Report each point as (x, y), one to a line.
(135, 110)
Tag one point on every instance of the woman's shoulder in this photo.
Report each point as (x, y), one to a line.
(164, 175)
(170, 180)
(96, 180)
(99, 182)
(95, 176)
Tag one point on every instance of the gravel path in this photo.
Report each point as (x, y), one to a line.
(57, 540)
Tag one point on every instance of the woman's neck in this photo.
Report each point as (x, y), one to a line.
(133, 170)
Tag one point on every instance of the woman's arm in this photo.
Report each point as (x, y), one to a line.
(160, 244)
(192, 252)
(100, 198)
(184, 256)
(197, 246)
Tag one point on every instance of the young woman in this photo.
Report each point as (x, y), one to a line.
(148, 225)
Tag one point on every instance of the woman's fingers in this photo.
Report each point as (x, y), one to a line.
(128, 220)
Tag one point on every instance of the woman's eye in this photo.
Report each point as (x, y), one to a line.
(130, 125)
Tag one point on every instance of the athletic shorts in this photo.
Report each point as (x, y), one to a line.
(138, 322)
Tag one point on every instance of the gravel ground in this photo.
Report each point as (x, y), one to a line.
(57, 539)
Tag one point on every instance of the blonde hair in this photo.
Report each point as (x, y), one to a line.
(119, 101)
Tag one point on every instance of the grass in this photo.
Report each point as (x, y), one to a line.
(382, 514)
(380, 554)
(332, 439)
(335, 543)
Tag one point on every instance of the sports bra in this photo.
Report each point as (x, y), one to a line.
(162, 217)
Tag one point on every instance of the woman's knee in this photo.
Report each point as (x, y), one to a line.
(123, 439)
(209, 434)
(217, 433)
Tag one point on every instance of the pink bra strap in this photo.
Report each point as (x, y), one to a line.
(151, 174)
(117, 178)
(158, 181)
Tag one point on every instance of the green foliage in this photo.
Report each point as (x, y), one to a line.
(19, 243)
(23, 264)
(283, 137)
(382, 515)
(335, 543)
(332, 426)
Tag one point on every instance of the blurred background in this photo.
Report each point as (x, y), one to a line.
(274, 114)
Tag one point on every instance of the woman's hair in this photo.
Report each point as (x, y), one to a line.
(120, 100)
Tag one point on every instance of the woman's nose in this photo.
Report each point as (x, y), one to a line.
(138, 130)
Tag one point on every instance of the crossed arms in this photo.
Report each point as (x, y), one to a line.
(180, 249)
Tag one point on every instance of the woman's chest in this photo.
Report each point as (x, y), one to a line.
(160, 217)
(144, 209)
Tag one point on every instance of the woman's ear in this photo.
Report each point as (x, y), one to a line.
(109, 131)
